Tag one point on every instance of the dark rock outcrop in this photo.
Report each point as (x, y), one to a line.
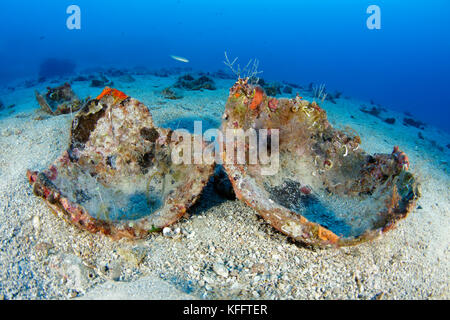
(188, 82)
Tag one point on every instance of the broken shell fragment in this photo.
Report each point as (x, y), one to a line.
(327, 191)
(117, 176)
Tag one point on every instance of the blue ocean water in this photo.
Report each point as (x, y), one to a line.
(403, 66)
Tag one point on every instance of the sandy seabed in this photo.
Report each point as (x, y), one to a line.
(224, 250)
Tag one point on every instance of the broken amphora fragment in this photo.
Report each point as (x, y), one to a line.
(327, 191)
(117, 176)
(60, 100)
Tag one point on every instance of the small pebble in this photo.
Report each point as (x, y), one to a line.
(220, 269)
(36, 223)
(167, 232)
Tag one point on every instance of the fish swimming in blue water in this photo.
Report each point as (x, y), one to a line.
(181, 59)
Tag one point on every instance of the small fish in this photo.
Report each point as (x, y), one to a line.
(181, 59)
